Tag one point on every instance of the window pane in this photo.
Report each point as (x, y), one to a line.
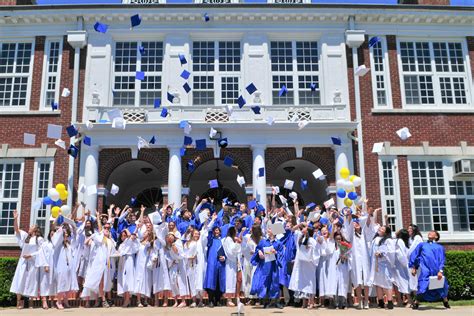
(407, 52)
(440, 217)
(441, 57)
(456, 57)
(203, 90)
(229, 90)
(460, 219)
(281, 56)
(307, 56)
(229, 56)
(423, 214)
(152, 60)
(306, 95)
(278, 82)
(203, 56)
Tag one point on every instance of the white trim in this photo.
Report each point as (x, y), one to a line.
(45, 74)
(34, 190)
(385, 73)
(10, 240)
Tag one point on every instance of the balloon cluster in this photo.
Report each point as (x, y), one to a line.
(55, 197)
(346, 187)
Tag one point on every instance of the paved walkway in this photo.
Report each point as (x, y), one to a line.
(251, 311)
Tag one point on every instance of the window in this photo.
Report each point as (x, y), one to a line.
(389, 192)
(379, 73)
(15, 73)
(10, 197)
(216, 72)
(462, 205)
(434, 73)
(295, 65)
(52, 71)
(42, 182)
(129, 91)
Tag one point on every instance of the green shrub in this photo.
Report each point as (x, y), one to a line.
(459, 269)
(7, 271)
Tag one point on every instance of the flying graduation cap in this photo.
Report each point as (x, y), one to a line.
(100, 27)
(373, 41)
(283, 91)
(241, 101)
(182, 59)
(251, 88)
(135, 20)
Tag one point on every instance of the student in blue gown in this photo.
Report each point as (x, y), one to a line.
(265, 282)
(429, 258)
(214, 280)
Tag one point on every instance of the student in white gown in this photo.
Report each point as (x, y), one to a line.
(248, 270)
(415, 239)
(161, 279)
(45, 263)
(175, 261)
(143, 270)
(327, 261)
(64, 242)
(343, 266)
(25, 281)
(100, 272)
(127, 249)
(233, 249)
(400, 271)
(303, 277)
(193, 251)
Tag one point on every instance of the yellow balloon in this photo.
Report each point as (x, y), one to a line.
(351, 178)
(60, 187)
(344, 172)
(63, 195)
(347, 202)
(55, 211)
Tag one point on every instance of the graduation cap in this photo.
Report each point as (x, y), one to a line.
(183, 123)
(140, 75)
(152, 140)
(261, 172)
(212, 133)
(302, 124)
(29, 139)
(251, 88)
(142, 50)
(404, 133)
(206, 17)
(66, 92)
(229, 109)
(304, 184)
(54, 105)
(187, 140)
(283, 91)
(186, 87)
(100, 27)
(200, 144)
(132, 201)
(256, 109)
(373, 41)
(185, 74)
(240, 180)
(252, 204)
(71, 131)
(311, 205)
(157, 103)
(73, 151)
(182, 59)
(313, 86)
(164, 112)
(270, 120)
(323, 221)
(213, 184)
(241, 101)
(377, 148)
(182, 151)
(135, 20)
(187, 129)
(87, 140)
(336, 141)
(228, 161)
(288, 184)
(60, 143)
(170, 97)
(190, 166)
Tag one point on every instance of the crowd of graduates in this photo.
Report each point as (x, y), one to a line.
(238, 254)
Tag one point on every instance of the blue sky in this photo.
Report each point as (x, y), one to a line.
(453, 2)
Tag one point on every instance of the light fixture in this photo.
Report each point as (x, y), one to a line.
(146, 170)
(222, 142)
(289, 169)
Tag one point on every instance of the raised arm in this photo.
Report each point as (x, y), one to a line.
(15, 222)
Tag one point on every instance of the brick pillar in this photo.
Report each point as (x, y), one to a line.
(404, 190)
(37, 73)
(394, 75)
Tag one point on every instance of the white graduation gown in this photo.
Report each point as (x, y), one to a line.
(101, 264)
(342, 273)
(248, 249)
(303, 277)
(413, 280)
(26, 278)
(177, 270)
(328, 273)
(381, 269)
(400, 269)
(45, 259)
(232, 263)
(360, 266)
(143, 271)
(126, 266)
(66, 278)
(161, 278)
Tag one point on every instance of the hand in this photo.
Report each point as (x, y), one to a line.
(197, 198)
(203, 201)
(440, 275)
(238, 240)
(15, 214)
(413, 271)
(273, 251)
(46, 269)
(214, 216)
(142, 208)
(221, 258)
(261, 255)
(183, 204)
(112, 206)
(212, 200)
(175, 249)
(117, 211)
(27, 257)
(244, 230)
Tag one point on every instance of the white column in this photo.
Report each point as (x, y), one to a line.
(259, 183)
(91, 175)
(340, 153)
(174, 176)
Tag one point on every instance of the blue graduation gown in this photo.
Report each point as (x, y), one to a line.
(429, 258)
(215, 269)
(289, 253)
(265, 283)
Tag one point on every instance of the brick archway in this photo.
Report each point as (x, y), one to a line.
(111, 158)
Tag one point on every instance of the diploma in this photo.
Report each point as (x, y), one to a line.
(269, 255)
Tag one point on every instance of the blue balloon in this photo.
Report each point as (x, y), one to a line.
(57, 203)
(60, 220)
(47, 201)
(341, 193)
(352, 195)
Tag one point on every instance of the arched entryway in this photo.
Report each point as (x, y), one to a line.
(215, 169)
(295, 170)
(138, 179)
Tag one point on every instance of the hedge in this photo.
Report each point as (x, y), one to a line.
(458, 270)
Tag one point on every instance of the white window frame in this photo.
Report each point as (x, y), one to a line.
(47, 74)
(216, 74)
(448, 165)
(30, 74)
(35, 186)
(295, 73)
(436, 75)
(396, 189)
(137, 90)
(385, 73)
(11, 240)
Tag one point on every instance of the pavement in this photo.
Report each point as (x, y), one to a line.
(249, 311)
